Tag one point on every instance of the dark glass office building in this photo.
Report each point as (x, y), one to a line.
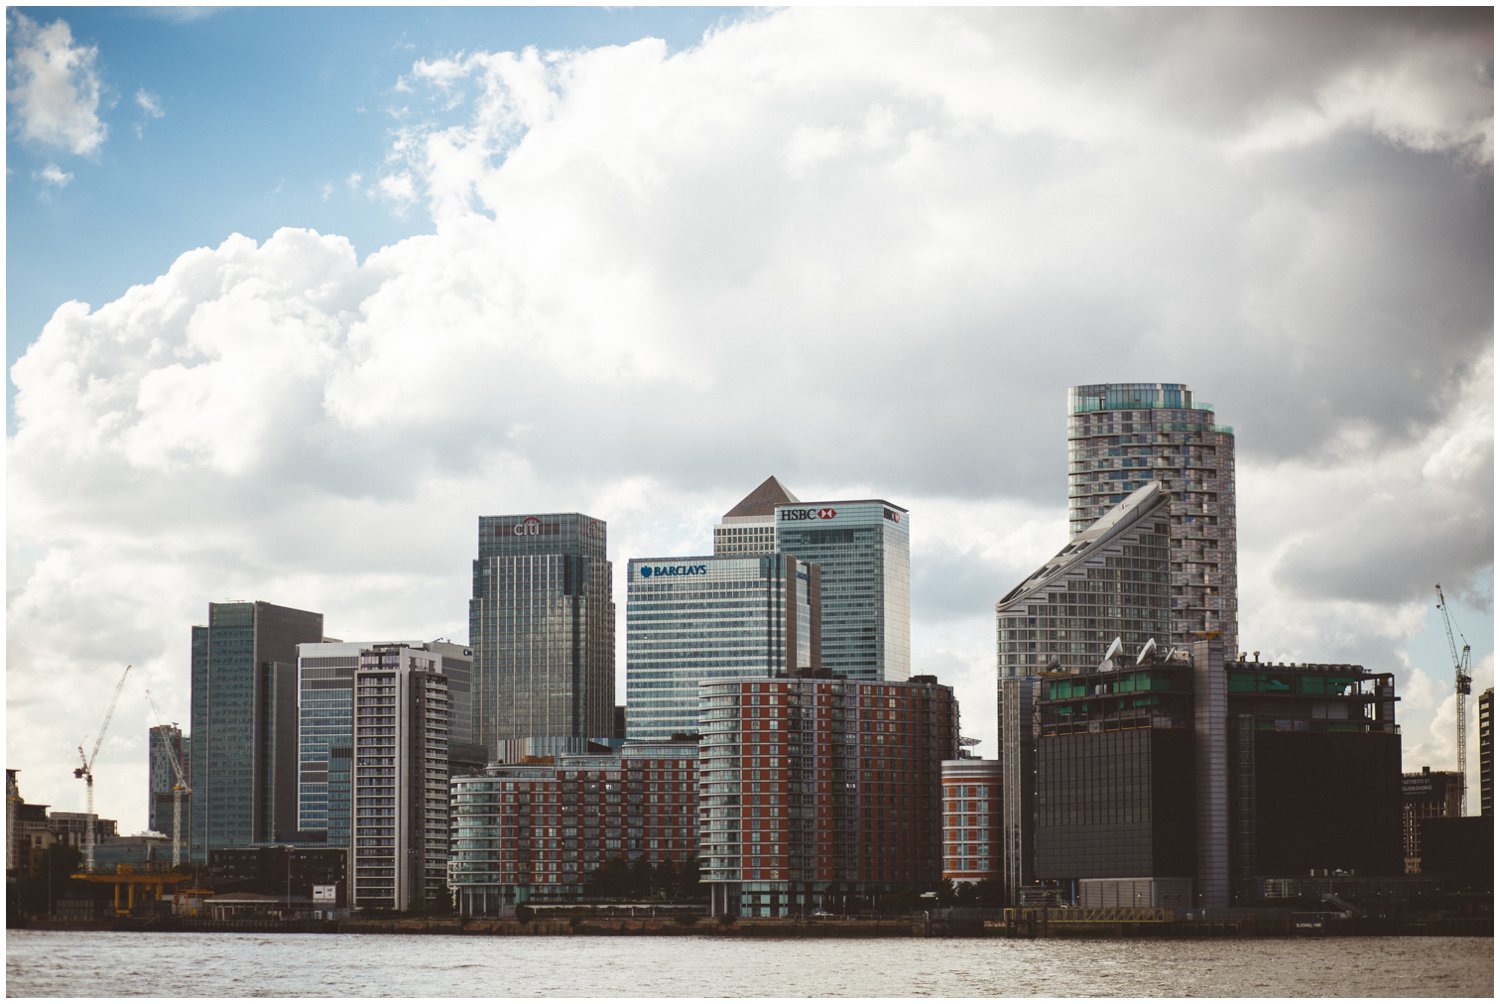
(244, 724)
(864, 550)
(542, 627)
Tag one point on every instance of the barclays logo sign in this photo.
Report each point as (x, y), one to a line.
(658, 571)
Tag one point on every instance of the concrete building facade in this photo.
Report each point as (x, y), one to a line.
(1124, 435)
(689, 620)
(244, 724)
(400, 810)
(542, 627)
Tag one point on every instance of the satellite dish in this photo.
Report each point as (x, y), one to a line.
(1115, 648)
(1146, 651)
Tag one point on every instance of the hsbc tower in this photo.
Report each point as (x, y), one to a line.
(864, 550)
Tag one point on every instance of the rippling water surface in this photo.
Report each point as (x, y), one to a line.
(109, 964)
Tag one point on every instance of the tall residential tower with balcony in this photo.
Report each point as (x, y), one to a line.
(1122, 436)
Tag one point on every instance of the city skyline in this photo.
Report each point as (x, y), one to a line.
(863, 251)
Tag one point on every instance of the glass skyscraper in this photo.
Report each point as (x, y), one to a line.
(864, 551)
(705, 619)
(244, 730)
(542, 627)
(1123, 435)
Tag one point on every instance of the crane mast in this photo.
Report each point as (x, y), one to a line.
(179, 786)
(86, 771)
(1462, 685)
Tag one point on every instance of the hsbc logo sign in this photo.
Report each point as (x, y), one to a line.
(824, 512)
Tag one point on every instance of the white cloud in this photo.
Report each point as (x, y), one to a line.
(53, 86)
(149, 103)
(865, 251)
(53, 175)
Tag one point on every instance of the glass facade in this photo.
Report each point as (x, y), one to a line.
(542, 627)
(244, 724)
(864, 551)
(690, 620)
(1124, 435)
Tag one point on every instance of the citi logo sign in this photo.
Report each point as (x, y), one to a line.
(647, 571)
(827, 512)
(528, 527)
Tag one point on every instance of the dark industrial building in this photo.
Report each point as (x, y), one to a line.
(1182, 779)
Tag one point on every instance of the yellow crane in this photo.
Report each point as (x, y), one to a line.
(179, 786)
(1462, 684)
(87, 772)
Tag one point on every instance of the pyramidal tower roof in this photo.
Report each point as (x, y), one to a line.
(764, 500)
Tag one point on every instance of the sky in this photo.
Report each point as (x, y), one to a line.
(295, 296)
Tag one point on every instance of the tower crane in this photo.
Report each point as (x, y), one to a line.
(1462, 684)
(87, 772)
(179, 786)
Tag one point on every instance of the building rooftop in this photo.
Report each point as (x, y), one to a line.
(764, 500)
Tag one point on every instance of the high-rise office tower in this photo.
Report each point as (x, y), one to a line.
(244, 727)
(402, 725)
(864, 550)
(750, 527)
(542, 627)
(1123, 435)
(165, 743)
(693, 620)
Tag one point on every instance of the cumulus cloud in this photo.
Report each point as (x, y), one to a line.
(865, 251)
(53, 175)
(54, 88)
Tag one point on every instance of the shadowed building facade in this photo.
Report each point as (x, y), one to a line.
(244, 724)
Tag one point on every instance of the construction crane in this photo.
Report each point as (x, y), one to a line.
(1462, 684)
(179, 787)
(87, 772)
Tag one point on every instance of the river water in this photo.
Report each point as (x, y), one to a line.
(117, 964)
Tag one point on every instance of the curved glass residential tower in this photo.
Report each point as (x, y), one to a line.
(1123, 435)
